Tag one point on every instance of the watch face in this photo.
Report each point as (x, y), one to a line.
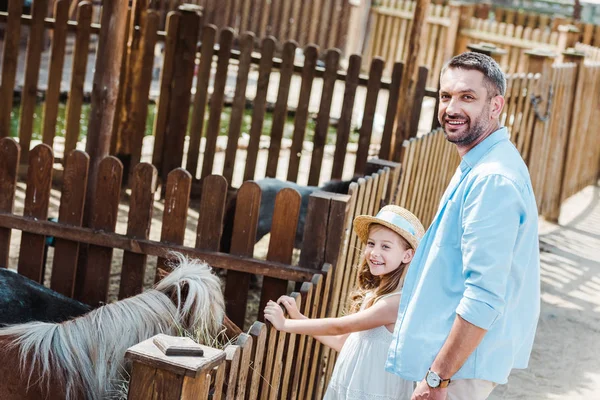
(433, 380)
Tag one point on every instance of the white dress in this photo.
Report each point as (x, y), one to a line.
(359, 372)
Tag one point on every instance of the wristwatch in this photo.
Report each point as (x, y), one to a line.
(435, 381)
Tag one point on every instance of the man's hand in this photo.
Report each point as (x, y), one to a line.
(424, 392)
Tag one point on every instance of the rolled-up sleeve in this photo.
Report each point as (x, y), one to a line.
(492, 213)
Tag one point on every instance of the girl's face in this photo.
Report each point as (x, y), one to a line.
(385, 251)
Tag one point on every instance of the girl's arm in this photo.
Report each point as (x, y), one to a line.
(383, 312)
(335, 342)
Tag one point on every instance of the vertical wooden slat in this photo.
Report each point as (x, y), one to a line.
(32, 73)
(322, 125)
(216, 101)
(37, 198)
(281, 244)
(315, 231)
(390, 113)
(181, 85)
(141, 205)
(242, 243)
(246, 344)
(168, 69)
(308, 74)
(290, 354)
(260, 101)
(96, 278)
(135, 125)
(366, 129)
(232, 362)
(246, 44)
(57, 57)
(306, 292)
(209, 33)
(258, 332)
(317, 283)
(281, 107)
(10, 57)
(177, 199)
(75, 181)
(345, 122)
(80, 59)
(212, 208)
(9, 164)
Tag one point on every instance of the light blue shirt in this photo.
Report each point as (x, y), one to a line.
(478, 259)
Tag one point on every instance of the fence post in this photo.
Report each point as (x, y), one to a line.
(466, 13)
(577, 57)
(540, 61)
(155, 374)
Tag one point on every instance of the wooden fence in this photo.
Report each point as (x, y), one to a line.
(389, 32)
(324, 23)
(264, 83)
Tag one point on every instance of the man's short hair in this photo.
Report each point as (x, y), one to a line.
(493, 77)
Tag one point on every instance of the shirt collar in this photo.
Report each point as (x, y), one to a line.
(471, 159)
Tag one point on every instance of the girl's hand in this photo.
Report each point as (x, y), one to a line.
(274, 314)
(290, 305)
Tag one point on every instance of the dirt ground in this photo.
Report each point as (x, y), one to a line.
(565, 363)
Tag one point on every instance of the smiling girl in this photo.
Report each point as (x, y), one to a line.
(363, 337)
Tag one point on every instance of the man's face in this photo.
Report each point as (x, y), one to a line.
(466, 111)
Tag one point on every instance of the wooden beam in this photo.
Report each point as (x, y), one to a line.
(404, 129)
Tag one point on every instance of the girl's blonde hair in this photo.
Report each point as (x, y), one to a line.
(379, 285)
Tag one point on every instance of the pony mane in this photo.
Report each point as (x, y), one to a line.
(85, 356)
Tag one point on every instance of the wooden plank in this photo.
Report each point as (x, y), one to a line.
(166, 76)
(345, 121)
(289, 351)
(78, 68)
(219, 382)
(315, 231)
(57, 58)
(366, 130)
(216, 101)
(37, 198)
(209, 33)
(177, 200)
(242, 243)
(246, 343)
(32, 73)
(96, 279)
(75, 181)
(281, 244)
(390, 113)
(10, 58)
(260, 102)
(155, 248)
(246, 44)
(212, 208)
(232, 361)
(181, 85)
(301, 118)
(141, 204)
(306, 291)
(258, 332)
(304, 392)
(134, 126)
(142, 381)
(322, 124)
(281, 107)
(9, 165)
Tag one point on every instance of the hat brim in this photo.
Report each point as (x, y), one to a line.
(362, 223)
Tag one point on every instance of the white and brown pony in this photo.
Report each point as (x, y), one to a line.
(84, 357)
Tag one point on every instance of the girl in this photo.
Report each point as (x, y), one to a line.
(364, 336)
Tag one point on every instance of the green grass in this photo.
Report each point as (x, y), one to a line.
(223, 130)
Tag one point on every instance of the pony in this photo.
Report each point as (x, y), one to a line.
(84, 357)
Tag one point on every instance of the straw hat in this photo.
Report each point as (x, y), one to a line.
(396, 218)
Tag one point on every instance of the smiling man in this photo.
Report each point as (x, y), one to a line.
(470, 301)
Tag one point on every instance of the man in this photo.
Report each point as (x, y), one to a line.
(470, 301)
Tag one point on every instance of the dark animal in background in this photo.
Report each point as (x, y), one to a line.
(270, 187)
(23, 300)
